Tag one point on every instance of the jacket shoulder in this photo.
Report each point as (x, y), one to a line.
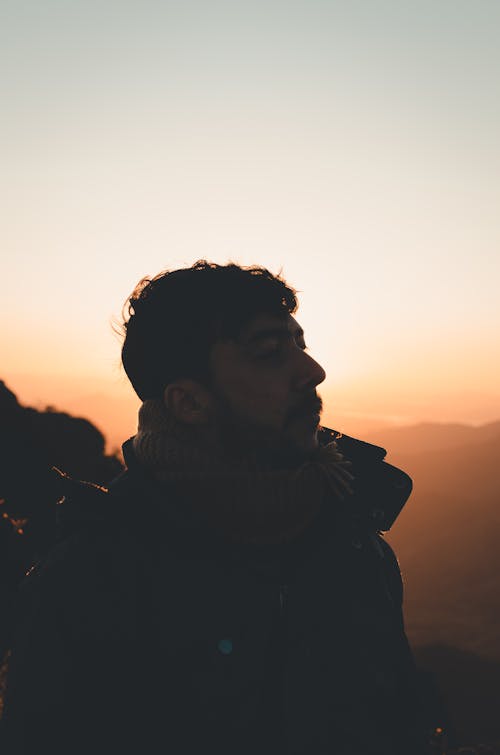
(93, 549)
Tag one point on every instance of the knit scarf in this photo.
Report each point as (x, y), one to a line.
(242, 498)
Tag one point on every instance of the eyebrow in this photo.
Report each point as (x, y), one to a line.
(260, 335)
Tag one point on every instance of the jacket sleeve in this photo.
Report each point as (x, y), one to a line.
(38, 668)
(392, 572)
(412, 716)
(67, 683)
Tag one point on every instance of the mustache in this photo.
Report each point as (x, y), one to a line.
(311, 404)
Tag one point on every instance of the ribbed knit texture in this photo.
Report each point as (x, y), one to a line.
(239, 497)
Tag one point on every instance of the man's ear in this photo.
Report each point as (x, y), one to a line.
(188, 401)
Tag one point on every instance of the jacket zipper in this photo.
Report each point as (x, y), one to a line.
(280, 718)
(283, 599)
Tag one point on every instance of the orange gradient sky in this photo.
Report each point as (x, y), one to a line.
(354, 145)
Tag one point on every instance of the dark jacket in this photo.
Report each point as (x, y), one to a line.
(143, 632)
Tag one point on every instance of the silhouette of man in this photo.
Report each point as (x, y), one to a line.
(231, 592)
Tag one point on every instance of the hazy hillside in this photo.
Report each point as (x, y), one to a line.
(447, 537)
(448, 542)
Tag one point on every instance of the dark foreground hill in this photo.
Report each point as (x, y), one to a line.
(31, 442)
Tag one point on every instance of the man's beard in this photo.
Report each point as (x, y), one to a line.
(272, 447)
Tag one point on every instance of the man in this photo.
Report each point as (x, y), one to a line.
(231, 593)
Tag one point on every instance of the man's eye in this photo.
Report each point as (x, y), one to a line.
(268, 351)
(274, 349)
(268, 354)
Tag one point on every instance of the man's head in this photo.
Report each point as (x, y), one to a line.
(219, 344)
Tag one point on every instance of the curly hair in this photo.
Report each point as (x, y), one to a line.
(172, 321)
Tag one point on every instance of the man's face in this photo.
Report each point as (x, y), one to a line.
(264, 384)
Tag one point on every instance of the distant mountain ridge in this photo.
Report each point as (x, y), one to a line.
(432, 436)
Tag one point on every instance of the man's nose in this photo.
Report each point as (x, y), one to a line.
(310, 375)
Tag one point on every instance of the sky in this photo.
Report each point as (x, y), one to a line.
(353, 145)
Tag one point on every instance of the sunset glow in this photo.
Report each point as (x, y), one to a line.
(356, 149)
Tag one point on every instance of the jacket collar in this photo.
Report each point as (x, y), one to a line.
(380, 489)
